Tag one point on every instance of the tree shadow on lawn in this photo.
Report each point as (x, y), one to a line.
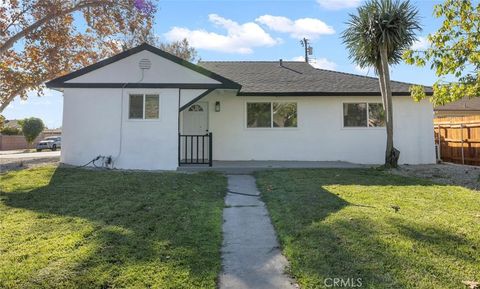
(126, 229)
(325, 236)
(352, 249)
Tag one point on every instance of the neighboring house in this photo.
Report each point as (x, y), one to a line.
(463, 107)
(12, 123)
(151, 110)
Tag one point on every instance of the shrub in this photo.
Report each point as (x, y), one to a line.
(2, 121)
(10, 131)
(31, 128)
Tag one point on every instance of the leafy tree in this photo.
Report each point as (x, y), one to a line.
(377, 36)
(454, 53)
(10, 131)
(39, 39)
(181, 49)
(2, 121)
(31, 128)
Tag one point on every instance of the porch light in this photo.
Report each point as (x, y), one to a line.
(217, 106)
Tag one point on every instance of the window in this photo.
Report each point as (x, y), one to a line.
(376, 115)
(363, 115)
(259, 114)
(271, 114)
(285, 114)
(144, 106)
(195, 107)
(136, 106)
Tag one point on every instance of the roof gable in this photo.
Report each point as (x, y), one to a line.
(123, 69)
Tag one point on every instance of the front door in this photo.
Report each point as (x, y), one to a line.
(194, 141)
(195, 119)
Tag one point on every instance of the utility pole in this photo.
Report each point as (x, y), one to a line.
(308, 49)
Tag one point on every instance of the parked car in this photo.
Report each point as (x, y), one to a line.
(52, 143)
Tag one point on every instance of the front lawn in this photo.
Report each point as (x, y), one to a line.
(71, 228)
(341, 224)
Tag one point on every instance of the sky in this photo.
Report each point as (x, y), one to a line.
(254, 30)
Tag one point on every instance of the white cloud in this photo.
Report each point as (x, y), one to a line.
(321, 63)
(304, 27)
(339, 4)
(421, 44)
(240, 38)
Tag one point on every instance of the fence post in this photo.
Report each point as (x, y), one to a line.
(210, 150)
(461, 134)
(179, 143)
(439, 143)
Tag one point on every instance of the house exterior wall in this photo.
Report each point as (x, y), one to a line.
(92, 121)
(320, 135)
(96, 121)
(188, 95)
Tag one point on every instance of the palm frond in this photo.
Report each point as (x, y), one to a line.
(381, 23)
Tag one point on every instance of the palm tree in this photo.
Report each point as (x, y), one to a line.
(377, 37)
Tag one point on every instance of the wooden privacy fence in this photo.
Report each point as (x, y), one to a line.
(458, 139)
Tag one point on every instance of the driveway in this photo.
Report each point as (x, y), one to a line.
(18, 161)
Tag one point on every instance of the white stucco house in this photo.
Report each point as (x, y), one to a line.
(148, 109)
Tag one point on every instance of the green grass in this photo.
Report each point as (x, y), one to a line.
(340, 224)
(70, 228)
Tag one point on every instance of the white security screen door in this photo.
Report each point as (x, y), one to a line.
(195, 119)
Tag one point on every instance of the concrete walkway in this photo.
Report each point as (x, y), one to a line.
(251, 257)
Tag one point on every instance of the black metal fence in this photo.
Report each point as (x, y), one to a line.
(195, 149)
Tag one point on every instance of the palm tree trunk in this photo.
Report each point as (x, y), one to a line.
(391, 154)
(381, 79)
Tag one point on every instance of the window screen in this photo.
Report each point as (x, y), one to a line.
(259, 114)
(136, 106)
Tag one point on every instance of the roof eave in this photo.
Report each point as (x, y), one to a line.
(60, 85)
(322, 93)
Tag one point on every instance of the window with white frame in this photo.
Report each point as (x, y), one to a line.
(363, 114)
(144, 106)
(271, 114)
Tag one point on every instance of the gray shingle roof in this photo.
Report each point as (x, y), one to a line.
(297, 78)
(464, 104)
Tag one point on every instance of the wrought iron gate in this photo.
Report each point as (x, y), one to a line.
(195, 149)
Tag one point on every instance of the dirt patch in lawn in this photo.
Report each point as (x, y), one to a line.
(450, 174)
